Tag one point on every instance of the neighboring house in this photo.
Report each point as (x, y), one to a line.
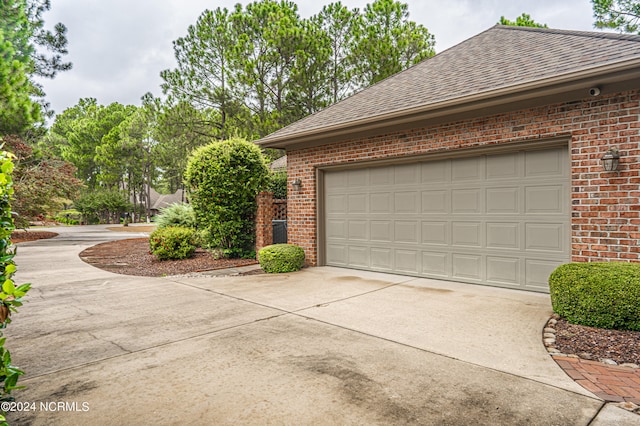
(481, 164)
(279, 164)
(160, 201)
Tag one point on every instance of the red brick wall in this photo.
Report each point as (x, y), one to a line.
(264, 216)
(605, 206)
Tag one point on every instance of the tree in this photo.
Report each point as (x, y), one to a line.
(43, 183)
(523, 20)
(223, 179)
(79, 131)
(386, 42)
(21, 32)
(621, 15)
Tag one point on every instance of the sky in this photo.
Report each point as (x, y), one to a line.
(119, 47)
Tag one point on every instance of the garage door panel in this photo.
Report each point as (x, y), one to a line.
(466, 200)
(381, 203)
(466, 234)
(381, 258)
(406, 261)
(544, 199)
(435, 202)
(546, 163)
(436, 172)
(435, 233)
(502, 235)
(406, 202)
(467, 266)
(337, 229)
(406, 174)
(436, 264)
(358, 178)
(357, 203)
(467, 169)
(358, 256)
(498, 219)
(537, 273)
(503, 166)
(503, 270)
(382, 230)
(503, 200)
(544, 237)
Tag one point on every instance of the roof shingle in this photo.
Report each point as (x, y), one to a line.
(498, 58)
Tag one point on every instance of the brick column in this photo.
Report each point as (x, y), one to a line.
(264, 217)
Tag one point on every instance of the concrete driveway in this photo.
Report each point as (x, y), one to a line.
(320, 346)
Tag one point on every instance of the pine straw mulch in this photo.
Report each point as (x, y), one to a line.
(132, 257)
(22, 236)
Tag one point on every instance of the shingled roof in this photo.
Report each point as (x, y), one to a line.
(498, 63)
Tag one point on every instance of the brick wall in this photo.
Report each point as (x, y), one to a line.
(264, 216)
(605, 206)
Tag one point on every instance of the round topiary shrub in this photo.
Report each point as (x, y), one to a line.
(603, 295)
(278, 258)
(173, 242)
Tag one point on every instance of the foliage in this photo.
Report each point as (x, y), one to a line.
(278, 258)
(278, 184)
(604, 295)
(42, 182)
(10, 294)
(177, 214)
(174, 242)
(387, 42)
(262, 67)
(523, 20)
(69, 217)
(621, 15)
(223, 179)
(21, 34)
(102, 206)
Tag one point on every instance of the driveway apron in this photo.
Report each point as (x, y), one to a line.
(320, 346)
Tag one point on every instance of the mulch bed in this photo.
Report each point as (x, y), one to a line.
(132, 257)
(597, 343)
(24, 236)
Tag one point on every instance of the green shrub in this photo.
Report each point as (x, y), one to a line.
(278, 185)
(604, 295)
(176, 214)
(174, 242)
(281, 258)
(223, 179)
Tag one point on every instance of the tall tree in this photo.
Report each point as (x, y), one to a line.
(621, 15)
(386, 41)
(337, 21)
(523, 20)
(22, 27)
(205, 74)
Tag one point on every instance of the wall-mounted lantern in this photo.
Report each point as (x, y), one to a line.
(610, 160)
(296, 184)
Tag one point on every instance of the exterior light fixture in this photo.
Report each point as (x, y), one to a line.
(296, 184)
(610, 160)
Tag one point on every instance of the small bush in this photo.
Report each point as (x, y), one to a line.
(603, 295)
(281, 258)
(177, 214)
(174, 242)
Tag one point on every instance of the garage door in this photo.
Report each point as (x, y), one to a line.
(498, 219)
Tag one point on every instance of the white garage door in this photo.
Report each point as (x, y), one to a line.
(500, 219)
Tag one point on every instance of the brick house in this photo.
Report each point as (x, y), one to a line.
(482, 164)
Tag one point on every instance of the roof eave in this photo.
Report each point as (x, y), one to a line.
(611, 74)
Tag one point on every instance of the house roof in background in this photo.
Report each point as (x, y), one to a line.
(279, 163)
(501, 60)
